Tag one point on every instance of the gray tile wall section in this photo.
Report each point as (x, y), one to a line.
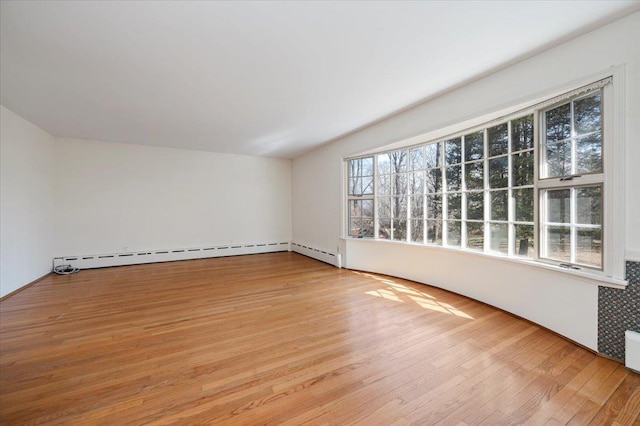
(618, 311)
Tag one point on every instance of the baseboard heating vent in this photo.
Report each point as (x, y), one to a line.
(632, 350)
(334, 259)
(167, 255)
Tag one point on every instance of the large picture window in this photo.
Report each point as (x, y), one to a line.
(531, 185)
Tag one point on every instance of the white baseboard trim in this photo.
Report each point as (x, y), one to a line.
(334, 259)
(136, 258)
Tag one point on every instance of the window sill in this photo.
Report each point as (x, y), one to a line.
(590, 278)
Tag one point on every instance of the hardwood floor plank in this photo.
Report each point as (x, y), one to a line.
(619, 401)
(630, 412)
(283, 339)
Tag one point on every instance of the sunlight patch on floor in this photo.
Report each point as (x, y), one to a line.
(385, 294)
(401, 293)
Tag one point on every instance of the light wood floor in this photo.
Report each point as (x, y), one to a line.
(283, 339)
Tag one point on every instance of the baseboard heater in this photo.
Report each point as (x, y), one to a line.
(334, 259)
(168, 255)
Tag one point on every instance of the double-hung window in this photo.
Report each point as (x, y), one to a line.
(572, 182)
(360, 197)
(536, 184)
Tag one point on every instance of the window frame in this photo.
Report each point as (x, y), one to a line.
(572, 180)
(613, 175)
(360, 197)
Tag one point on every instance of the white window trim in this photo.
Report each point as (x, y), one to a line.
(614, 101)
(614, 200)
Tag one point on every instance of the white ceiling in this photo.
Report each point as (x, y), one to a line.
(259, 78)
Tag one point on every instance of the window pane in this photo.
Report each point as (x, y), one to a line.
(399, 207)
(434, 206)
(589, 154)
(454, 210)
(354, 186)
(434, 232)
(384, 185)
(354, 227)
(558, 123)
(367, 208)
(499, 205)
(384, 207)
(433, 155)
(416, 158)
(474, 146)
(453, 151)
(417, 206)
(498, 140)
(453, 233)
(475, 205)
(522, 168)
(524, 204)
(589, 205)
(399, 184)
(589, 246)
(360, 176)
(559, 243)
(400, 229)
(361, 167)
(499, 237)
(524, 241)
(522, 133)
(454, 178)
(558, 206)
(475, 235)
(398, 161)
(474, 175)
(498, 173)
(434, 180)
(355, 208)
(367, 185)
(417, 230)
(360, 218)
(416, 182)
(354, 168)
(587, 114)
(367, 166)
(367, 228)
(384, 229)
(558, 159)
(383, 164)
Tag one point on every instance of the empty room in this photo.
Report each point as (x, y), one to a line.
(322, 212)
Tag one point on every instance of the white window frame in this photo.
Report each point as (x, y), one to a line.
(613, 183)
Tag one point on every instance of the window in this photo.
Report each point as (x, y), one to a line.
(434, 180)
(571, 209)
(392, 195)
(453, 192)
(360, 196)
(416, 178)
(531, 185)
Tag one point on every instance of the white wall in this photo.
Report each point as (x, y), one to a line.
(63, 197)
(317, 183)
(543, 296)
(113, 197)
(26, 202)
